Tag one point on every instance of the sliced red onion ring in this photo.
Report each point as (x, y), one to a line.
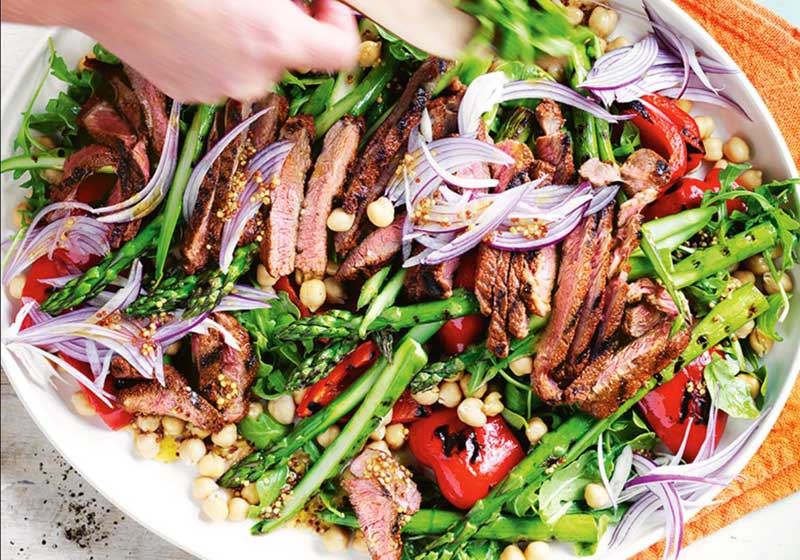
(482, 94)
(146, 200)
(526, 89)
(704, 96)
(603, 196)
(508, 241)
(455, 180)
(252, 198)
(622, 67)
(200, 170)
(244, 298)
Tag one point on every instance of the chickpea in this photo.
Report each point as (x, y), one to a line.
(512, 552)
(226, 437)
(146, 445)
(706, 125)
(298, 394)
(282, 409)
(339, 220)
(756, 264)
(535, 430)
(684, 105)
(464, 384)
(250, 493)
(381, 212)
(736, 150)
(603, 21)
(378, 433)
(81, 404)
(493, 404)
(395, 436)
(470, 411)
(237, 509)
(427, 397)
(335, 539)
(173, 348)
(553, 65)
(328, 436)
(574, 15)
(199, 432)
(449, 394)
(313, 294)
(334, 292)
(369, 53)
(148, 423)
(172, 426)
(264, 278)
(21, 208)
(752, 383)
(772, 287)
(745, 277)
(596, 496)
(255, 409)
(215, 506)
(713, 147)
(46, 142)
(760, 342)
(721, 164)
(16, 285)
(331, 268)
(521, 366)
(52, 176)
(751, 179)
(359, 543)
(379, 446)
(537, 550)
(192, 450)
(617, 43)
(203, 487)
(211, 465)
(745, 330)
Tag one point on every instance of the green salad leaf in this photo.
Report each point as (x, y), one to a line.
(560, 491)
(729, 393)
(262, 430)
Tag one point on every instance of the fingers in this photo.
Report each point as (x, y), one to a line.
(329, 40)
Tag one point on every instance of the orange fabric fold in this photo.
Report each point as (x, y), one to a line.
(767, 49)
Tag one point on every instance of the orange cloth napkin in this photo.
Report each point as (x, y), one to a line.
(767, 48)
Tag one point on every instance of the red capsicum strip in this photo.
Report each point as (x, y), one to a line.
(662, 136)
(115, 417)
(407, 410)
(686, 125)
(687, 194)
(466, 461)
(285, 285)
(669, 408)
(332, 385)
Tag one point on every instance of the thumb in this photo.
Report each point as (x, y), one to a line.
(329, 38)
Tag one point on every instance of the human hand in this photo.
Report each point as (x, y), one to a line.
(206, 50)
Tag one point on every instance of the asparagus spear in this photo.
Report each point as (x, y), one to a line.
(584, 124)
(23, 162)
(168, 296)
(219, 284)
(192, 145)
(383, 300)
(388, 386)
(316, 365)
(577, 527)
(339, 324)
(253, 467)
(518, 126)
(372, 286)
(95, 279)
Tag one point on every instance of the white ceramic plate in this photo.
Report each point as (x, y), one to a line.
(158, 495)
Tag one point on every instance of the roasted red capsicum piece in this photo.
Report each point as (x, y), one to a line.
(688, 193)
(661, 135)
(466, 461)
(115, 417)
(457, 334)
(285, 285)
(332, 385)
(669, 407)
(686, 125)
(407, 410)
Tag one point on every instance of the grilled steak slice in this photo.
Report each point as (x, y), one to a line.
(554, 146)
(654, 295)
(264, 131)
(497, 337)
(122, 369)
(131, 178)
(443, 112)
(644, 169)
(598, 173)
(280, 240)
(487, 270)
(105, 125)
(591, 311)
(517, 318)
(377, 249)
(509, 175)
(384, 497)
(125, 100)
(225, 373)
(154, 108)
(330, 171)
(435, 281)
(174, 398)
(79, 166)
(573, 283)
(390, 138)
(537, 286)
(640, 319)
(617, 374)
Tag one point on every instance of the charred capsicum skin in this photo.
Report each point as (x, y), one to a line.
(686, 124)
(466, 461)
(687, 194)
(662, 136)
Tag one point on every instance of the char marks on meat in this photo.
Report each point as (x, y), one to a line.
(486, 274)
(225, 373)
(174, 398)
(537, 287)
(278, 249)
(377, 249)
(154, 108)
(515, 173)
(125, 100)
(644, 169)
(517, 318)
(497, 338)
(430, 281)
(443, 112)
(264, 131)
(104, 124)
(339, 150)
(553, 147)
(572, 285)
(384, 497)
(651, 303)
(388, 141)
